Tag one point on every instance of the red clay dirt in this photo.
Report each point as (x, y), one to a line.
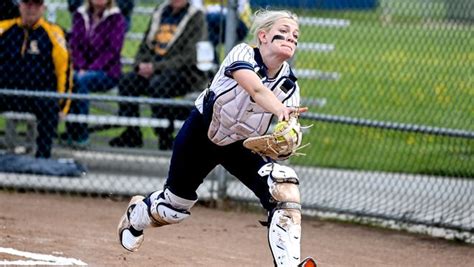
(85, 229)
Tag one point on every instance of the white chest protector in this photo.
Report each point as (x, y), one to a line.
(235, 115)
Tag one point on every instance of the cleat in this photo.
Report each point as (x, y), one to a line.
(308, 262)
(130, 238)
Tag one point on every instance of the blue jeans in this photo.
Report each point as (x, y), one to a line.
(89, 81)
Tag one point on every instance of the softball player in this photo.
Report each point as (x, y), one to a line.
(252, 86)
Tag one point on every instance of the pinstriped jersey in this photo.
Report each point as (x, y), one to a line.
(235, 115)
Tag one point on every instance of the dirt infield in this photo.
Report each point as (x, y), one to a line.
(84, 229)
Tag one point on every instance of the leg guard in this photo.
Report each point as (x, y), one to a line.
(284, 232)
(160, 208)
(168, 208)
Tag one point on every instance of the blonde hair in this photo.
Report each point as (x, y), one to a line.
(264, 20)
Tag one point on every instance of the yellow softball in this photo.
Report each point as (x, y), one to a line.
(280, 126)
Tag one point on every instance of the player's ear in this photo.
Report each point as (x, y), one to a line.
(262, 37)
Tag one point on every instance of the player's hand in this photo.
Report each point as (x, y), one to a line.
(284, 114)
(81, 72)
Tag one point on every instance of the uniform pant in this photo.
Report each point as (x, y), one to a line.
(194, 157)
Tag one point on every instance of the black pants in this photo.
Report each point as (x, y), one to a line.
(47, 115)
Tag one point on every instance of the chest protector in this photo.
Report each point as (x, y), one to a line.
(236, 116)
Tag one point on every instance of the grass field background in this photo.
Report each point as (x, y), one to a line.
(402, 62)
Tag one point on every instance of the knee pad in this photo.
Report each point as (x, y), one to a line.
(283, 185)
(168, 208)
(284, 232)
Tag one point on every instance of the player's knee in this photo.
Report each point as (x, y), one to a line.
(168, 208)
(288, 202)
(283, 186)
(282, 182)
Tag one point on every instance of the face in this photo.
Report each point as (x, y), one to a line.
(178, 4)
(101, 4)
(31, 11)
(282, 37)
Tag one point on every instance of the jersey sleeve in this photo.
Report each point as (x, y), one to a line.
(240, 57)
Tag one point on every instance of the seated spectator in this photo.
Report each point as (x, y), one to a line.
(9, 9)
(96, 39)
(125, 6)
(165, 67)
(33, 56)
(216, 11)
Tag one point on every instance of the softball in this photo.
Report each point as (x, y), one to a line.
(280, 126)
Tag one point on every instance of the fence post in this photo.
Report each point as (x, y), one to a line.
(231, 25)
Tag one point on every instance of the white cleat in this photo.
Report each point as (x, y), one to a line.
(130, 238)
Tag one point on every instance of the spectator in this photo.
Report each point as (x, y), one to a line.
(165, 66)
(33, 56)
(125, 6)
(97, 36)
(9, 9)
(216, 11)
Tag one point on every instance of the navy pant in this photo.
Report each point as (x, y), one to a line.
(194, 156)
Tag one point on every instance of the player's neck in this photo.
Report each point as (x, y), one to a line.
(273, 65)
(273, 68)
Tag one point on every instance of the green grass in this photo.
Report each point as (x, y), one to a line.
(416, 68)
(415, 72)
(409, 71)
(365, 148)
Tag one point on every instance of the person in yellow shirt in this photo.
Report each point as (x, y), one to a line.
(34, 56)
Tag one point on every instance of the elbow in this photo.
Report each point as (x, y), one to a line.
(257, 91)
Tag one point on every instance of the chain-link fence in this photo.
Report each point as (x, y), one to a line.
(388, 83)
